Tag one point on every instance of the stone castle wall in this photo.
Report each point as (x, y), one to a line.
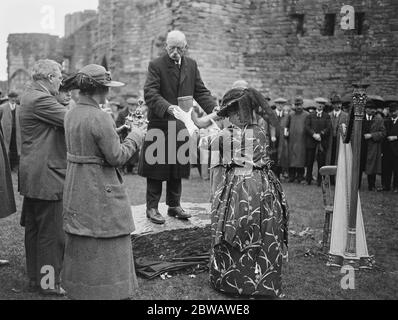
(252, 39)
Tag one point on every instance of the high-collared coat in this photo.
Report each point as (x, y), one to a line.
(42, 165)
(165, 82)
(6, 125)
(95, 200)
(7, 200)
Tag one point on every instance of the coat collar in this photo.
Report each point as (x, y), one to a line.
(88, 101)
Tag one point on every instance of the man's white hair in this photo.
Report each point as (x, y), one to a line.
(176, 35)
(45, 67)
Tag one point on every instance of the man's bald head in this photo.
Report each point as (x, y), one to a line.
(176, 44)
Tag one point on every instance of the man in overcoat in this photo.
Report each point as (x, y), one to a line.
(297, 138)
(170, 76)
(9, 123)
(317, 127)
(390, 154)
(42, 174)
(373, 133)
(7, 200)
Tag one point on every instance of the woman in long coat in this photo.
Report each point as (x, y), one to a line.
(249, 212)
(7, 201)
(97, 214)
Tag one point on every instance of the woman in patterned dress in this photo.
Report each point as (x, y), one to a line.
(249, 213)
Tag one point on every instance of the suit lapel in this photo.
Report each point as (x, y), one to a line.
(173, 69)
(183, 72)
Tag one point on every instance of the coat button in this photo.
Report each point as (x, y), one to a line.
(108, 189)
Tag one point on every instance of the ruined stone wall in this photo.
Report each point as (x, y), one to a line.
(313, 64)
(22, 52)
(252, 39)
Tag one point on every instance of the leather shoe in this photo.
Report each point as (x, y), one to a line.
(57, 291)
(178, 212)
(155, 216)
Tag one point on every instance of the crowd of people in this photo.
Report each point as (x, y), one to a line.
(76, 211)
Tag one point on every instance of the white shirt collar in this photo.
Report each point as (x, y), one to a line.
(337, 113)
(12, 106)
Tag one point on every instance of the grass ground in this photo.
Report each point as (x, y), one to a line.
(304, 276)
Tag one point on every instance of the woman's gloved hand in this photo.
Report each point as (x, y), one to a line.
(186, 118)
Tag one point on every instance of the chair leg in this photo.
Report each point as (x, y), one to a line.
(326, 232)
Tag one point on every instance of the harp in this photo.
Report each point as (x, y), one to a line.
(354, 136)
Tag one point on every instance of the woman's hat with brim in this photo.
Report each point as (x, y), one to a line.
(100, 75)
(229, 100)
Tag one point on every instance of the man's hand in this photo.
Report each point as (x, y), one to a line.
(317, 137)
(171, 110)
(367, 136)
(286, 132)
(392, 138)
(273, 139)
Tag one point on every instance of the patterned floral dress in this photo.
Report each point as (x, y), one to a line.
(249, 216)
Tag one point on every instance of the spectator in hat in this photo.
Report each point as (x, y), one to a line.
(338, 117)
(373, 133)
(390, 153)
(9, 124)
(297, 141)
(318, 127)
(281, 143)
(97, 213)
(42, 174)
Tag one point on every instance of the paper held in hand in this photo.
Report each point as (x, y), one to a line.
(185, 103)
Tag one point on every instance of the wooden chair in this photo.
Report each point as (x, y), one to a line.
(328, 199)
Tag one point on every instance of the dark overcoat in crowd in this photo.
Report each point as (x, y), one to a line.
(320, 125)
(96, 203)
(342, 118)
(297, 139)
(6, 125)
(42, 166)
(392, 130)
(372, 159)
(7, 200)
(282, 141)
(165, 82)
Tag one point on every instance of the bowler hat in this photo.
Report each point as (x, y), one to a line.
(370, 104)
(336, 99)
(298, 100)
(13, 94)
(393, 106)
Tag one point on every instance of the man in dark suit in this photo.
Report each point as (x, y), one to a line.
(9, 123)
(280, 131)
(338, 117)
(391, 151)
(169, 77)
(373, 133)
(42, 174)
(317, 127)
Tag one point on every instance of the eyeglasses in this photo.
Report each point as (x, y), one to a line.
(172, 48)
